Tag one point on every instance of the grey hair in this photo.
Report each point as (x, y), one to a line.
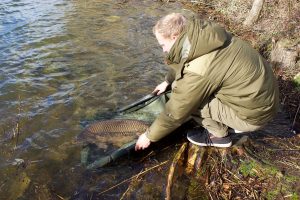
(170, 25)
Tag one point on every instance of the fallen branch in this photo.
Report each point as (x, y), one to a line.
(254, 12)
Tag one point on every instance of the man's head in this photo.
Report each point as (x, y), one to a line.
(168, 28)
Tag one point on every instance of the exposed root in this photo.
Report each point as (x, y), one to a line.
(176, 161)
(192, 156)
(235, 172)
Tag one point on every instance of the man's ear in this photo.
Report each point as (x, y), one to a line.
(174, 37)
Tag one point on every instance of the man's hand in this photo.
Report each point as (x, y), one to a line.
(161, 88)
(142, 143)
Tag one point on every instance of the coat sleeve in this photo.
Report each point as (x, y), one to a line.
(188, 94)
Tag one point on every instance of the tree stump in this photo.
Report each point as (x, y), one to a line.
(285, 53)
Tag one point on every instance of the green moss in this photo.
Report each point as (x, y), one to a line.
(272, 194)
(291, 179)
(273, 171)
(282, 186)
(296, 81)
(246, 168)
(295, 196)
(196, 189)
(234, 161)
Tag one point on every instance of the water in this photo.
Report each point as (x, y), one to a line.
(62, 63)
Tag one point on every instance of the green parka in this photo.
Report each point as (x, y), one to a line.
(205, 62)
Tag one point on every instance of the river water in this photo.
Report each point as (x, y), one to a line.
(62, 63)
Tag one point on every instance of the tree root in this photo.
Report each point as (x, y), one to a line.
(232, 172)
(176, 161)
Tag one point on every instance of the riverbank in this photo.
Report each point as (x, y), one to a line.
(269, 160)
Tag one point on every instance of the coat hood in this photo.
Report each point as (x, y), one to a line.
(199, 38)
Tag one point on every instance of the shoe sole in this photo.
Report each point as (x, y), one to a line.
(213, 145)
(235, 131)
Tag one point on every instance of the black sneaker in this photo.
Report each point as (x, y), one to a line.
(204, 138)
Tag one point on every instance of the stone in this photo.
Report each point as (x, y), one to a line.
(285, 53)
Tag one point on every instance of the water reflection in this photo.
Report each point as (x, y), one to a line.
(62, 63)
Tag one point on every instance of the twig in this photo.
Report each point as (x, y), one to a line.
(172, 169)
(2, 186)
(147, 156)
(295, 116)
(284, 149)
(142, 173)
(136, 179)
(210, 195)
(233, 175)
(59, 196)
(122, 197)
(229, 182)
(291, 164)
(216, 194)
(17, 129)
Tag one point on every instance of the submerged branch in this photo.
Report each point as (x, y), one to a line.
(139, 174)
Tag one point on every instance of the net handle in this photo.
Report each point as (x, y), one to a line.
(138, 102)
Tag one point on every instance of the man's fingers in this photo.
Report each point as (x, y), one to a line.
(142, 143)
(155, 91)
(137, 147)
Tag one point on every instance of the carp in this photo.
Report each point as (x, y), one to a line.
(116, 132)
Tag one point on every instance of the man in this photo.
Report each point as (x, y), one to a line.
(216, 76)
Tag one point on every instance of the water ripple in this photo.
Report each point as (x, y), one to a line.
(63, 62)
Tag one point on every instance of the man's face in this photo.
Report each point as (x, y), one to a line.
(165, 43)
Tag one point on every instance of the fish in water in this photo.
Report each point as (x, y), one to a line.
(116, 132)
